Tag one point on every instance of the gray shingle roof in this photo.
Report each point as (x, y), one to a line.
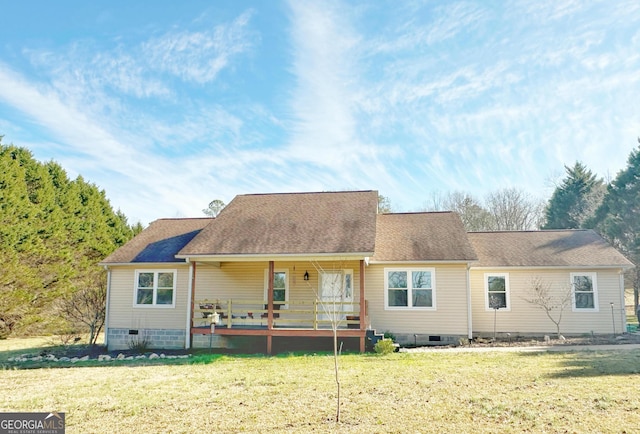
(159, 242)
(560, 248)
(291, 223)
(430, 236)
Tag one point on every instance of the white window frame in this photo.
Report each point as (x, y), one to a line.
(154, 304)
(409, 306)
(286, 285)
(594, 283)
(507, 289)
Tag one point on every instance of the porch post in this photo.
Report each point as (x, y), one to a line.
(270, 307)
(270, 297)
(363, 310)
(191, 304)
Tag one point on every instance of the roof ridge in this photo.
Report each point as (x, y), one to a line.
(416, 212)
(307, 192)
(184, 218)
(528, 231)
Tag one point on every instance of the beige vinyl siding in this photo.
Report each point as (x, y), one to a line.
(450, 316)
(123, 314)
(246, 280)
(524, 318)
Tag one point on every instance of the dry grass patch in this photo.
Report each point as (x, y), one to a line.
(421, 392)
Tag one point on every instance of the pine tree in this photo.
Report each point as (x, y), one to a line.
(53, 231)
(618, 218)
(575, 200)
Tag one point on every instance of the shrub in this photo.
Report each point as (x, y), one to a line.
(384, 346)
(139, 344)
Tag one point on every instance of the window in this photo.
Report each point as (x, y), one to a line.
(585, 294)
(496, 287)
(410, 288)
(280, 285)
(155, 288)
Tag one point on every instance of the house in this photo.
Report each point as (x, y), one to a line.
(274, 268)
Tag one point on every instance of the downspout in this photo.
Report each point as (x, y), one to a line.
(469, 316)
(623, 310)
(187, 338)
(106, 312)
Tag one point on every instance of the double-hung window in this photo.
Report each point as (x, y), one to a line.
(410, 288)
(280, 287)
(496, 290)
(585, 291)
(155, 288)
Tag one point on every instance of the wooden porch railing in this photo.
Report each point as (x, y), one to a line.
(311, 314)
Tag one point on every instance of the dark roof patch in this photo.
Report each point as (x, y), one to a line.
(159, 242)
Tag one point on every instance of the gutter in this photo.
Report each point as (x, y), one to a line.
(106, 312)
(258, 257)
(187, 338)
(553, 267)
(623, 310)
(469, 314)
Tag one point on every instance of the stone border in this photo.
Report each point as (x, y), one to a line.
(101, 358)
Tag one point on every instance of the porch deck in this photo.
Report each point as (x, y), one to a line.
(291, 318)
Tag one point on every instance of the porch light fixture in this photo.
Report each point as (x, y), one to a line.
(306, 275)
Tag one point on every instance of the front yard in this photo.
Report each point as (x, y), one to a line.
(402, 392)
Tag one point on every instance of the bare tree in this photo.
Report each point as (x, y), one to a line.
(508, 209)
(333, 309)
(384, 204)
(214, 208)
(514, 210)
(86, 307)
(553, 303)
(474, 217)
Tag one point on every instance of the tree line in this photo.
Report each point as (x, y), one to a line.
(580, 201)
(53, 232)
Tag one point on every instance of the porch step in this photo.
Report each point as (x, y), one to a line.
(373, 337)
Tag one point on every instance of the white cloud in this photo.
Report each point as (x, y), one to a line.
(199, 56)
(327, 132)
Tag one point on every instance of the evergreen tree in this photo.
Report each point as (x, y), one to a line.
(53, 231)
(618, 217)
(575, 200)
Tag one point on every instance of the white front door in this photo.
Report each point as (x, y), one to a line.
(336, 292)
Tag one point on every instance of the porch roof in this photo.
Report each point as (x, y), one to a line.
(290, 224)
(555, 248)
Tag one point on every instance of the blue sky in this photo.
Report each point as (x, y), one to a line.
(168, 105)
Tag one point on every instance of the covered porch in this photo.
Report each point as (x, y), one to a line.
(293, 304)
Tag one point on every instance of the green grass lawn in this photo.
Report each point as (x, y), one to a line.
(401, 392)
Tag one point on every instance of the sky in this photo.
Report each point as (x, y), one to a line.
(169, 105)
